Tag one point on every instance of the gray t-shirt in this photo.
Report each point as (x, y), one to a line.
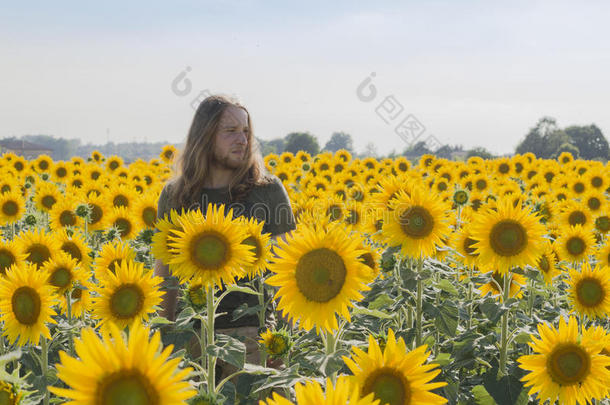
(269, 203)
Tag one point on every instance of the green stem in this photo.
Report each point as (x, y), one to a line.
(44, 364)
(504, 330)
(530, 297)
(470, 303)
(330, 347)
(418, 305)
(210, 339)
(262, 315)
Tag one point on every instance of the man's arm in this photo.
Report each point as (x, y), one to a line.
(170, 298)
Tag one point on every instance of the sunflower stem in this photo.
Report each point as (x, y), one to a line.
(470, 303)
(44, 365)
(211, 359)
(530, 296)
(69, 310)
(331, 346)
(504, 329)
(261, 315)
(418, 305)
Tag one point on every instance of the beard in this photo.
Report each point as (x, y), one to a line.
(228, 161)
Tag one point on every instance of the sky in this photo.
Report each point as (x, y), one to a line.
(473, 73)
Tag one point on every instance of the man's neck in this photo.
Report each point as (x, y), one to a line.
(219, 177)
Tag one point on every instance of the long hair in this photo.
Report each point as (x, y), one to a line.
(194, 161)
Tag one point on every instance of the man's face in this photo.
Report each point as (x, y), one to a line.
(232, 138)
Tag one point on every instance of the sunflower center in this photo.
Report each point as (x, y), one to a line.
(209, 250)
(113, 165)
(508, 238)
(577, 218)
(367, 259)
(61, 172)
(77, 293)
(38, 254)
(504, 168)
(597, 181)
(335, 212)
(594, 203)
(26, 305)
(67, 218)
(149, 215)
(590, 292)
(568, 364)
(124, 226)
(96, 213)
(120, 201)
(277, 345)
(389, 386)
(252, 241)
(602, 223)
(60, 277)
(127, 301)
(468, 246)
(480, 184)
(416, 222)
(320, 275)
(10, 208)
(126, 387)
(579, 188)
(544, 264)
(72, 249)
(460, 197)
(575, 245)
(48, 201)
(7, 259)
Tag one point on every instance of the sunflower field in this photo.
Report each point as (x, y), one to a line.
(477, 282)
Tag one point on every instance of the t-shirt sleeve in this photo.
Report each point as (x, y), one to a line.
(281, 217)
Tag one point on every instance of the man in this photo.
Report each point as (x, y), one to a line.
(220, 165)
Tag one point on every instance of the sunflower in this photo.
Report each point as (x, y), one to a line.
(575, 243)
(260, 245)
(463, 244)
(122, 219)
(10, 254)
(62, 271)
(547, 264)
(602, 224)
(589, 291)
(75, 245)
(111, 256)
(371, 259)
(38, 245)
(63, 214)
(47, 194)
(508, 236)
(395, 376)
(121, 195)
(80, 298)
(417, 223)
(99, 211)
(312, 393)
(25, 304)
(168, 153)
(12, 207)
(127, 296)
(566, 367)
(135, 371)
(97, 156)
(43, 163)
(319, 274)
(603, 255)
(573, 213)
(145, 211)
(113, 163)
(494, 286)
(209, 249)
(276, 343)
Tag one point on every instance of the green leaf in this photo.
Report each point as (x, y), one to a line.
(242, 289)
(523, 338)
(447, 286)
(442, 359)
(447, 320)
(370, 312)
(228, 349)
(492, 309)
(382, 301)
(159, 320)
(506, 390)
(481, 396)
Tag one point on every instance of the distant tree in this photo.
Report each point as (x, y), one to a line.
(417, 149)
(444, 152)
(567, 147)
(297, 141)
(339, 140)
(63, 149)
(544, 139)
(370, 150)
(590, 141)
(481, 152)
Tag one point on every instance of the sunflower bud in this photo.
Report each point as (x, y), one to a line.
(276, 343)
(83, 210)
(30, 220)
